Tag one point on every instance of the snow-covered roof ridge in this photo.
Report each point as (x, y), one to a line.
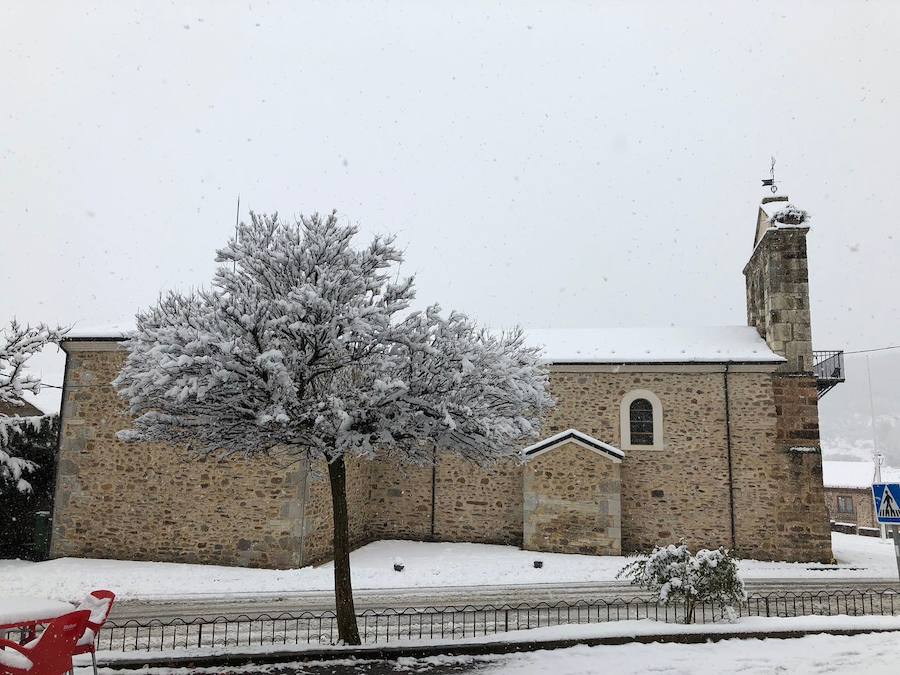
(651, 344)
(661, 344)
(844, 474)
(577, 437)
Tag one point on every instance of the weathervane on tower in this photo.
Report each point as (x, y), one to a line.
(770, 182)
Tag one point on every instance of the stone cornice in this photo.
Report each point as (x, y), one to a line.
(91, 345)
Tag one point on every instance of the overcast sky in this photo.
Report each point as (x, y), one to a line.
(548, 164)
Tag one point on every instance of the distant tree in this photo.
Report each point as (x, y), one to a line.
(303, 344)
(31, 439)
(674, 574)
(18, 343)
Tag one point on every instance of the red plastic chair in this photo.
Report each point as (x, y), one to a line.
(51, 653)
(99, 604)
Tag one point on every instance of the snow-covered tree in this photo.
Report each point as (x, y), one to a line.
(32, 439)
(674, 574)
(306, 345)
(18, 343)
(13, 467)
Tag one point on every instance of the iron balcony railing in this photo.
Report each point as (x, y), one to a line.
(452, 623)
(828, 367)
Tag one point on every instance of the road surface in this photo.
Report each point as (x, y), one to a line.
(204, 605)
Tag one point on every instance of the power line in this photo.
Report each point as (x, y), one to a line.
(855, 351)
(877, 349)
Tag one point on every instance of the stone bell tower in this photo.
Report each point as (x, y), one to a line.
(777, 279)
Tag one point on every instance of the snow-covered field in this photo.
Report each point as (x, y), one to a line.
(427, 565)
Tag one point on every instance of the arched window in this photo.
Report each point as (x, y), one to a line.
(641, 420)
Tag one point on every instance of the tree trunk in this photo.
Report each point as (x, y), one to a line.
(348, 631)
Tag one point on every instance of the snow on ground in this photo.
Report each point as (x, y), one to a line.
(427, 565)
(874, 654)
(871, 654)
(547, 634)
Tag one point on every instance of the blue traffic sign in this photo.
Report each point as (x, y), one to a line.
(887, 502)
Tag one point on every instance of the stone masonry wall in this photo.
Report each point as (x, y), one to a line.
(315, 514)
(680, 491)
(797, 407)
(399, 505)
(478, 504)
(863, 514)
(472, 503)
(779, 500)
(572, 502)
(150, 501)
(777, 280)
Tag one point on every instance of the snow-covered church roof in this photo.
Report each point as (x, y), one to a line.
(663, 344)
(701, 344)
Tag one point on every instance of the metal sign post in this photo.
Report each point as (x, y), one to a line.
(895, 530)
(887, 512)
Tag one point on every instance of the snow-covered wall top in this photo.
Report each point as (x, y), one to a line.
(705, 344)
(111, 331)
(855, 474)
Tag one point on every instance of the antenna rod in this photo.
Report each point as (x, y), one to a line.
(871, 408)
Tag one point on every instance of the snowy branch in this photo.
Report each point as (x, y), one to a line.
(13, 469)
(305, 344)
(17, 345)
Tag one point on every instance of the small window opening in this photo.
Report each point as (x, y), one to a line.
(641, 422)
(845, 504)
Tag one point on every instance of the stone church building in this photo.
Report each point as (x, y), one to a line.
(706, 434)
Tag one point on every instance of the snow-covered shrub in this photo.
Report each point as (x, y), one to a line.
(789, 215)
(676, 575)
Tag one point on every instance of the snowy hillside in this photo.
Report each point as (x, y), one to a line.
(844, 415)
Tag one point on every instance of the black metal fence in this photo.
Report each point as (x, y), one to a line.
(450, 623)
(829, 369)
(829, 364)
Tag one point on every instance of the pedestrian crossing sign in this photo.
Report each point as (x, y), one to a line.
(887, 502)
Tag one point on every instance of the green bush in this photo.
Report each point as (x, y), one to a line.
(35, 442)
